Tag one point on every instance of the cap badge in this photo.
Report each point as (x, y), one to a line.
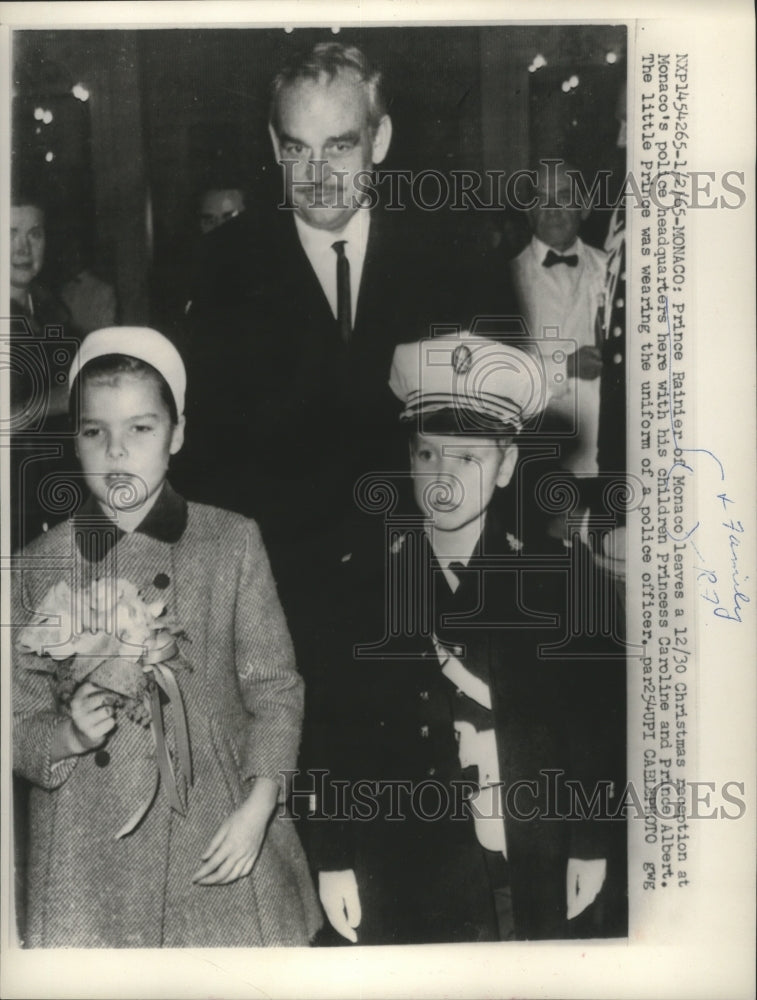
(462, 359)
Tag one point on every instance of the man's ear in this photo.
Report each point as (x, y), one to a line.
(177, 437)
(274, 142)
(381, 140)
(507, 465)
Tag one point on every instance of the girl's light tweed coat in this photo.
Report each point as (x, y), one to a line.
(244, 703)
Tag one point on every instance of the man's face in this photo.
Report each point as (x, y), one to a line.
(327, 121)
(218, 206)
(557, 227)
(27, 244)
(454, 477)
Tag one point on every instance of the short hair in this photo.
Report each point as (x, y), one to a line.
(444, 427)
(330, 59)
(26, 194)
(108, 369)
(222, 179)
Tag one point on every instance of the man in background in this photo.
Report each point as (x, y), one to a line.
(219, 204)
(559, 281)
(42, 345)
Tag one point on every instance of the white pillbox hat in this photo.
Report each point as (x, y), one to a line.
(136, 342)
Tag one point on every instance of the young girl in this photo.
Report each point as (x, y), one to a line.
(162, 826)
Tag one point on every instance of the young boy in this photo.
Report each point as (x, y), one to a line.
(460, 710)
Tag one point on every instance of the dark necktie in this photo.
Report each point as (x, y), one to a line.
(555, 258)
(457, 568)
(343, 293)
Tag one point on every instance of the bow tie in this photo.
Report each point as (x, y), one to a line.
(554, 258)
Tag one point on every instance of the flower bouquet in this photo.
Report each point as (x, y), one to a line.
(105, 633)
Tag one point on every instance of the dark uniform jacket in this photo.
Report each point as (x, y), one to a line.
(386, 712)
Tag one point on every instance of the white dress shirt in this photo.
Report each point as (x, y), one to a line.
(318, 246)
(477, 747)
(560, 305)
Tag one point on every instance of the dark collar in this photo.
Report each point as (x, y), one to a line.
(165, 521)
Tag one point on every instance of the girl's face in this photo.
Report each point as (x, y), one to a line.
(125, 440)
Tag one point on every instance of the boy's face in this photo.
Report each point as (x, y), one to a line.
(125, 439)
(454, 477)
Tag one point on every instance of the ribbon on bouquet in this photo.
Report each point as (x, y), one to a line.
(154, 662)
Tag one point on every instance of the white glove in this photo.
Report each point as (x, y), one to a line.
(340, 900)
(585, 879)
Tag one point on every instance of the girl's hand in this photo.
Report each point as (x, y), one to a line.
(233, 851)
(92, 719)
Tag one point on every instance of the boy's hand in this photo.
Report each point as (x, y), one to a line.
(585, 363)
(233, 851)
(92, 717)
(341, 901)
(585, 879)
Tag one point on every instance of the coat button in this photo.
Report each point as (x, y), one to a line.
(424, 695)
(102, 758)
(424, 732)
(431, 772)
(161, 581)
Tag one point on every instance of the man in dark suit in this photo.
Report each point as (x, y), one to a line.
(292, 324)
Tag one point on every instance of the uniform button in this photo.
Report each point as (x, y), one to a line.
(424, 732)
(431, 772)
(424, 695)
(458, 692)
(102, 758)
(382, 723)
(617, 358)
(161, 581)
(620, 303)
(617, 331)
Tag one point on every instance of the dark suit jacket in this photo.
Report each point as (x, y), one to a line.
(390, 715)
(42, 346)
(282, 418)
